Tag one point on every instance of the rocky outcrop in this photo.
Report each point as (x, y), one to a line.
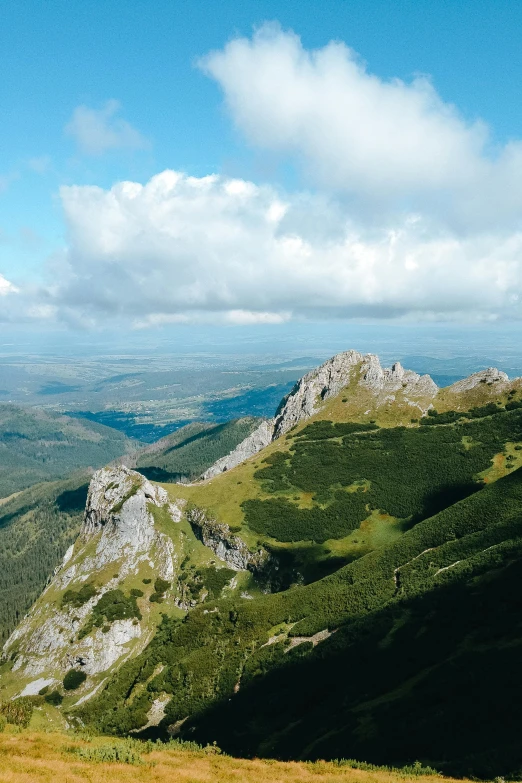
(388, 380)
(319, 385)
(316, 386)
(260, 438)
(489, 376)
(218, 537)
(339, 372)
(118, 534)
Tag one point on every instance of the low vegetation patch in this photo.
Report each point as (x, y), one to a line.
(123, 751)
(54, 697)
(19, 711)
(77, 598)
(194, 581)
(130, 493)
(160, 588)
(408, 473)
(113, 605)
(73, 679)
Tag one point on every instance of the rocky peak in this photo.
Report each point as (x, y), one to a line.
(326, 381)
(117, 508)
(118, 536)
(489, 376)
(319, 385)
(316, 386)
(383, 379)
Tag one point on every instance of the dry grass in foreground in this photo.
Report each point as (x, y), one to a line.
(26, 757)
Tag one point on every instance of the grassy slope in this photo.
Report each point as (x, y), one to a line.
(36, 528)
(30, 755)
(209, 656)
(406, 614)
(38, 446)
(392, 474)
(430, 670)
(192, 449)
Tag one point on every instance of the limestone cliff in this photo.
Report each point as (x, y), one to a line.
(218, 537)
(117, 539)
(489, 376)
(319, 385)
(260, 438)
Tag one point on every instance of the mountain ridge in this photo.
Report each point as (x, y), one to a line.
(338, 372)
(273, 565)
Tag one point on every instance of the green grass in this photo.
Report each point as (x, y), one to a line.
(395, 573)
(393, 628)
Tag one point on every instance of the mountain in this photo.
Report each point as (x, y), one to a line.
(350, 590)
(188, 452)
(38, 524)
(370, 392)
(36, 446)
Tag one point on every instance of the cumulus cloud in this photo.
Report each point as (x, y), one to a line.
(6, 287)
(98, 130)
(416, 215)
(182, 248)
(386, 141)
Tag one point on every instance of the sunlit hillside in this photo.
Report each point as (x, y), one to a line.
(53, 757)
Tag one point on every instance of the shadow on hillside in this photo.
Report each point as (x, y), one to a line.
(437, 678)
(163, 476)
(443, 497)
(72, 500)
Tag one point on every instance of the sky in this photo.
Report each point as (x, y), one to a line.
(244, 163)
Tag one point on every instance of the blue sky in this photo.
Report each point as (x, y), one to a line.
(135, 67)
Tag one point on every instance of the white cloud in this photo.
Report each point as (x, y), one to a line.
(98, 130)
(182, 248)
(386, 142)
(417, 218)
(248, 317)
(6, 287)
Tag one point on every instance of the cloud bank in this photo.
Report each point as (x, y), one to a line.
(413, 215)
(183, 248)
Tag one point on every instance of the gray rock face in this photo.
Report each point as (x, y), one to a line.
(383, 379)
(260, 438)
(117, 534)
(317, 386)
(338, 372)
(228, 547)
(489, 376)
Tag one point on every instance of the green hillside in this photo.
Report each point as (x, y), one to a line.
(39, 523)
(39, 446)
(419, 532)
(36, 528)
(189, 451)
